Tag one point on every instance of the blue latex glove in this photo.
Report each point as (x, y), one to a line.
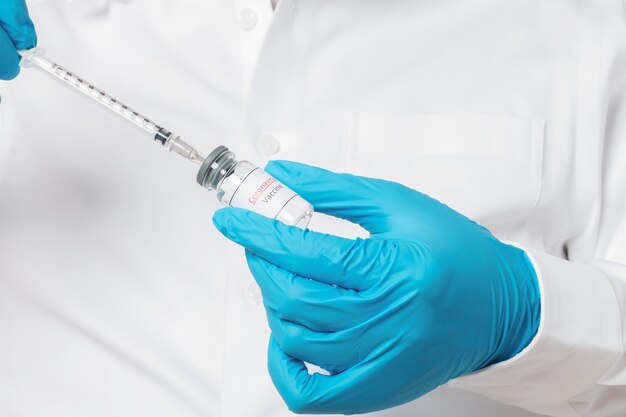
(17, 32)
(430, 296)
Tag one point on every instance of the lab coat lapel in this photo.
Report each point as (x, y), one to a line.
(275, 89)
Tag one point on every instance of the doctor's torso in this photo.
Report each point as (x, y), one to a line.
(117, 295)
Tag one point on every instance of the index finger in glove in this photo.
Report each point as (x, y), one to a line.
(316, 305)
(351, 264)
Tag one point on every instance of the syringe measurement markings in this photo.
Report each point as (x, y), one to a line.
(105, 99)
(173, 143)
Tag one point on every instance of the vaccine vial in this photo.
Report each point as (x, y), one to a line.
(244, 185)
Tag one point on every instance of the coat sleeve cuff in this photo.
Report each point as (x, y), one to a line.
(578, 340)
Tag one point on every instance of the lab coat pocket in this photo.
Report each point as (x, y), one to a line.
(487, 166)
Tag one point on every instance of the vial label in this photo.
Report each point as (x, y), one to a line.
(262, 193)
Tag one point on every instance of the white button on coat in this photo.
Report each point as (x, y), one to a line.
(248, 18)
(253, 293)
(268, 145)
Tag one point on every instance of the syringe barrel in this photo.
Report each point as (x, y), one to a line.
(238, 183)
(36, 58)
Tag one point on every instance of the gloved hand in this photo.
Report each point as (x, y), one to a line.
(430, 296)
(17, 32)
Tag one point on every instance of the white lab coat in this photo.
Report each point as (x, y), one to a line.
(119, 298)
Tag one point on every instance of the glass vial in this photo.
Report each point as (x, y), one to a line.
(244, 185)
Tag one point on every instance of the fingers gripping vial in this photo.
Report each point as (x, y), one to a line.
(238, 183)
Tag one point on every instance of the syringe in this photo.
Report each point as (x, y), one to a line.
(238, 183)
(36, 58)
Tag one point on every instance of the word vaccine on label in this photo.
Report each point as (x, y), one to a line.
(242, 184)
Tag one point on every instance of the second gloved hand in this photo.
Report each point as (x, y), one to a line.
(430, 296)
(17, 32)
